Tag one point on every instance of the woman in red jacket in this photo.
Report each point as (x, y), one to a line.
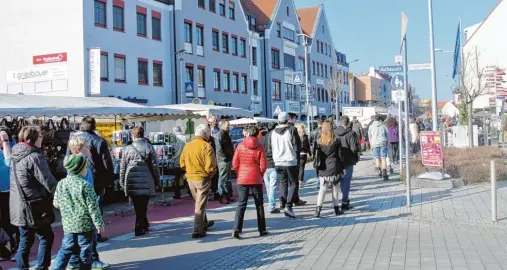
(249, 163)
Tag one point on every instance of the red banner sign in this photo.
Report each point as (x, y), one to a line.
(432, 153)
(49, 58)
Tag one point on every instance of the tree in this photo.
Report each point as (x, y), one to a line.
(472, 84)
(335, 86)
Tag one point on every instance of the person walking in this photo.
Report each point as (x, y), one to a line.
(270, 176)
(31, 187)
(329, 167)
(181, 140)
(393, 143)
(81, 217)
(139, 176)
(414, 136)
(225, 150)
(199, 162)
(285, 147)
(78, 145)
(357, 128)
(100, 161)
(250, 164)
(303, 157)
(378, 140)
(349, 155)
(316, 132)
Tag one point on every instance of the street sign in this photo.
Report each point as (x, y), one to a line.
(398, 59)
(390, 69)
(419, 66)
(398, 82)
(297, 78)
(398, 95)
(277, 110)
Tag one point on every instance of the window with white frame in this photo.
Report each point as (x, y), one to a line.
(119, 69)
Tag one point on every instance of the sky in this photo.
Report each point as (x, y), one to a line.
(369, 30)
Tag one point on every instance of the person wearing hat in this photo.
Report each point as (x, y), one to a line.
(80, 213)
(286, 146)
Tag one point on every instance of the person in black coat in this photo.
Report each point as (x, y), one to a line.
(349, 154)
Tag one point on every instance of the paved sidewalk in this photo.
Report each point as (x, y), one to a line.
(445, 229)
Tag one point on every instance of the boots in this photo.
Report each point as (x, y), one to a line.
(317, 212)
(337, 211)
(379, 172)
(384, 175)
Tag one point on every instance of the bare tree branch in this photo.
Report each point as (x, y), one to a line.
(472, 81)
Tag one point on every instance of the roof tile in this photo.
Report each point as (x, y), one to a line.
(261, 9)
(308, 18)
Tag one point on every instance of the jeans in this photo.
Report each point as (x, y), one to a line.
(380, 151)
(288, 176)
(345, 184)
(301, 177)
(72, 243)
(224, 181)
(271, 182)
(243, 191)
(27, 235)
(141, 209)
(324, 182)
(199, 190)
(74, 259)
(394, 152)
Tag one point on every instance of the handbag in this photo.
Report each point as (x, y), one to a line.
(39, 212)
(317, 159)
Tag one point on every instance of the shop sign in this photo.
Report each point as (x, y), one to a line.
(37, 74)
(322, 110)
(94, 71)
(49, 58)
(293, 107)
(105, 129)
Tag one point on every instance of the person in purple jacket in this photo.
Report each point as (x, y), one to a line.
(393, 143)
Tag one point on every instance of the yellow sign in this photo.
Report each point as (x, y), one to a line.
(106, 130)
(196, 101)
(211, 102)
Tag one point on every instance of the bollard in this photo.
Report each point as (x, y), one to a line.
(493, 190)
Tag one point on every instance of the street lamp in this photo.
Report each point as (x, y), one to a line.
(433, 72)
(308, 108)
(353, 61)
(180, 54)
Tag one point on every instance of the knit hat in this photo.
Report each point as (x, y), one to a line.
(76, 164)
(283, 117)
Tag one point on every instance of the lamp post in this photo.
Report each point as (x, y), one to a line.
(180, 54)
(433, 72)
(308, 108)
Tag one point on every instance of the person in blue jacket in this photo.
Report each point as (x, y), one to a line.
(6, 142)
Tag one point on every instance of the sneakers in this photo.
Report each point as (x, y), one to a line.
(275, 211)
(289, 212)
(98, 265)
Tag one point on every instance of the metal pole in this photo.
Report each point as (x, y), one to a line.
(493, 191)
(183, 90)
(400, 135)
(407, 145)
(434, 112)
(308, 117)
(502, 125)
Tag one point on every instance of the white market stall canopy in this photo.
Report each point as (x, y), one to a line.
(27, 106)
(251, 121)
(210, 110)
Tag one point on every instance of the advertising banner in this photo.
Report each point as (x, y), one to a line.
(432, 153)
(95, 71)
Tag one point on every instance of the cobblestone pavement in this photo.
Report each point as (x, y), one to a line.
(444, 229)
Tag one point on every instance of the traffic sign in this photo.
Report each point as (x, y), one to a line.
(277, 110)
(398, 95)
(419, 66)
(189, 87)
(398, 59)
(390, 69)
(297, 78)
(398, 82)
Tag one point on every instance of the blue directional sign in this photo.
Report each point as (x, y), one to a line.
(391, 69)
(189, 87)
(398, 82)
(297, 78)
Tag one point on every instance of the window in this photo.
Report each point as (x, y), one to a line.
(216, 79)
(141, 24)
(289, 61)
(321, 70)
(216, 45)
(232, 14)
(318, 70)
(322, 28)
(189, 74)
(313, 69)
(278, 30)
(301, 64)
(318, 94)
(275, 88)
(157, 73)
(221, 7)
(253, 23)
(104, 66)
(119, 69)
(318, 46)
(289, 89)
(225, 42)
(100, 13)
(235, 82)
(322, 47)
(234, 45)
(212, 6)
(243, 84)
(275, 59)
(188, 32)
(118, 18)
(142, 72)
(255, 88)
(156, 31)
(289, 34)
(200, 35)
(242, 48)
(201, 77)
(226, 82)
(254, 56)
(325, 70)
(200, 3)
(287, 10)
(327, 96)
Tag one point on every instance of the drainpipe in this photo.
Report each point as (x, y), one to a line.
(266, 95)
(176, 84)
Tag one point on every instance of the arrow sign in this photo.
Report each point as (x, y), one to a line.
(297, 78)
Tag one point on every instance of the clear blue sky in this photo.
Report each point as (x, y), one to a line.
(369, 30)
